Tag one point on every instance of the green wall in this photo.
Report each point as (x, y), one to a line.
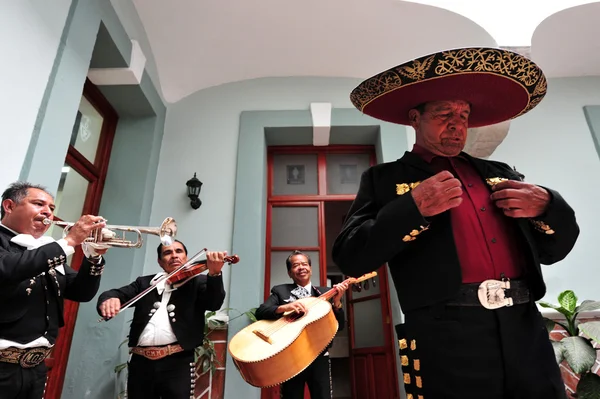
(592, 115)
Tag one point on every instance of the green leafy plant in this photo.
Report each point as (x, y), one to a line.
(123, 366)
(577, 348)
(207, 352)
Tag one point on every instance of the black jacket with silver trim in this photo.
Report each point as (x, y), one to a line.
(31, 303)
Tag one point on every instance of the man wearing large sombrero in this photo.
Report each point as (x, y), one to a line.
(463, 237)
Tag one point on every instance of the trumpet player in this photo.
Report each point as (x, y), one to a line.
(34, 281)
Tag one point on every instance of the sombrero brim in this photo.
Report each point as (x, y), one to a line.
(499, 84)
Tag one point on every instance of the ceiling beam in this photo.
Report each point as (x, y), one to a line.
(131, 75)
(321, 118)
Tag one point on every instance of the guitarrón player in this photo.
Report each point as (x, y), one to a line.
(283, 299)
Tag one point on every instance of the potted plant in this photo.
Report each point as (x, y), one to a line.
(212, 321)
(577, 347)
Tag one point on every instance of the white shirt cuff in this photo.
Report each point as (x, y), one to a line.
(90, 253)
(68, 250)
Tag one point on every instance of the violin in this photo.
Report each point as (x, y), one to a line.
(195, 269)
(190, 269)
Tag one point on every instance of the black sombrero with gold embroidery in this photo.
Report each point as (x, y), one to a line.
(499, 84)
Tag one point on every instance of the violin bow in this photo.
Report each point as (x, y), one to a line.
(191, 262)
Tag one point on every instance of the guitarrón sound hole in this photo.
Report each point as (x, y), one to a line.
(295, 316)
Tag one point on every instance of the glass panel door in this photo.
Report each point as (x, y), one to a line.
(87, 130)
(295, 174)
(69, 201)
(295, 226)
(344, 171)
(302, 183)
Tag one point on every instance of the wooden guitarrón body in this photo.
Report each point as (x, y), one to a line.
(269, 352)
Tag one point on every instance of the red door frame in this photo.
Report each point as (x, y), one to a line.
(317, 200)
(387, 348)
(95, 174)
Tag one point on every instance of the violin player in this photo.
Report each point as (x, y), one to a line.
(168, 323)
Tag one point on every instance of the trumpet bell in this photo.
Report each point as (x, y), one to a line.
(168, 231)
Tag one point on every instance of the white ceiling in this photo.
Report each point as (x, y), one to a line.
(510, 22)
(568, 43)
(198, 44)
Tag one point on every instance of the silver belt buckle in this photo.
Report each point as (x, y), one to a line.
(492, 296)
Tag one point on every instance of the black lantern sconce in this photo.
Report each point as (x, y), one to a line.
(194, 185)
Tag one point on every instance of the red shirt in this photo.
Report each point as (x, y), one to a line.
(485, 238)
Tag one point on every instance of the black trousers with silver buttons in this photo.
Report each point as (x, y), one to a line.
(171, 377)
(469, 352)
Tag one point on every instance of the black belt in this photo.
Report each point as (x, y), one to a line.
(470, 295)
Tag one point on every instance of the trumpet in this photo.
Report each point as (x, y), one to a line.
(166, 231)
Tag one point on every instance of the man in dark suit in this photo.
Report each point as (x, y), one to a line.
(34, 281)
(168, 324)
(463, 237)
(283, 299)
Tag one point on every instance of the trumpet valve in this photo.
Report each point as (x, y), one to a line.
(107, 234)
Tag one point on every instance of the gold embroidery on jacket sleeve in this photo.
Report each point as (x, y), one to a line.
(537, 224)
(542, 227)
(492, 181)
(403, 188)
(414, 233)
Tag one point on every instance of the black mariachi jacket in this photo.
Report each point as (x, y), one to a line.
(31, 304)
(282, 295)
(191, 301)
(385, 225)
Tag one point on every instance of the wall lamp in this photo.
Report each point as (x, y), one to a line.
(193, 187)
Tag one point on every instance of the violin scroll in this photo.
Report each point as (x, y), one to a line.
(232, 260)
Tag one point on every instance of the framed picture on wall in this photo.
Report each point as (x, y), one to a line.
(348, 174)
(295, 174)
